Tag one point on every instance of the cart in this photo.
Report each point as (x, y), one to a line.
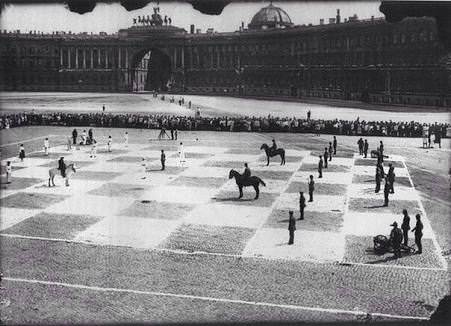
(382, 245)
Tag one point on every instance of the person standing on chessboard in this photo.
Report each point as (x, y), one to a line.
(46, 146)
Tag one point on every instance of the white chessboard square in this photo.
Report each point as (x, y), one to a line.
(91, 205)
(144, 178)
(365, 190)
(308, 245)
(274, 165)
(11, 216)
(180, 194)
(249, 158)
(76, 187)
(205, 149)
(31, 162)
(372, 224)
(206, 172)
(328, 177)
(321, 203)
(228, 215)
(189, 162)
(128, 231)
(37, 172)
(371, 170)
(295, 152)
(103, 166)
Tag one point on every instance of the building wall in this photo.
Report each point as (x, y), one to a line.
(373, 61)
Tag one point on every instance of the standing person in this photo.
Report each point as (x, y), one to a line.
(387, 187)
(360, 143)
(381, 150)
(83, 137)
(181, 152)
(405, 226)
(21, 152)
(9, 171)
(379, 176)
(69, 143)
(309, 114)
(335, 145)
(365, 148)
(311, 188)
(163, 160)
(126, 139)
(326, 154)
(391, 177)
(175, 133)
(396, 239)
(438, 138)
(74, 136)
(62, 167)
(90, 136)
(418, 229)
(103, 108)
(172, 132)
(301, 205)
(291, 227)
(46, 146)
(330, 151)
(93, 149)
(320, 167)
(109, 143)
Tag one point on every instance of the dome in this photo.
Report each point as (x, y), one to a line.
(270, 17)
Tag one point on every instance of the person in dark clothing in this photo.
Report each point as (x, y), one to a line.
(163, 160)
(418, 229)
(405, 226)
(291, 227)
(391, 177)
(330, 151)
(335, 145)
(74, 136)
(387, 187)
(62, 167)
(247, 172)
(301, 205)
(365, 148)
(311, 188)
(309, 114)
(360, 143)
(320, 167)
(381, 151)
(396, 239)
(172, 133)
(326, 154)
(90, 136)
(379, 176)
(273, 147)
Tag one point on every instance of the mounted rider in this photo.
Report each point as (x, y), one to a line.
(273, 147)
(62, 167)
(246, 173)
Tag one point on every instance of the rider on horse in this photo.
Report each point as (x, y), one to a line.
(273, 148)
(62, 167)
(246, 173)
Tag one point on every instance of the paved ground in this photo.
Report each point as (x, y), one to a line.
(121, 242)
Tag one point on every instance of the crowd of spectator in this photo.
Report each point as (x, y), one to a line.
(247, 123)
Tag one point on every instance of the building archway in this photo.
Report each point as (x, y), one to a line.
(151, 71)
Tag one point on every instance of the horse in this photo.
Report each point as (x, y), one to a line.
(269, 153)
(70, 169)
(251, 181)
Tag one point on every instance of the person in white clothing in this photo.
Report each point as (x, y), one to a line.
(83, 137)
(109, 143)
(93, 149)
(126, 139)
(69, 143)
(46, 146)
(181, 151)
(8, 171)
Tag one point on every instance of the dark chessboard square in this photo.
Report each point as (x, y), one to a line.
(224, 164)
(126, 159)
(375, 205)
(95, 175)
(360, 249)
(119, 190)
(156, 168)
(245, 150)
(209, 182)
(341, 154)
(313, 221)
(53, 225)
(358, 178)
(30, 200)
(19, 183)
(207, 238)
(114, 151)
(269, 174)
(52, 155)
(154, 209)
(320, 188)
(331, 167)
(197, 155)
(167, 147)
(231, 197)
(366, 162)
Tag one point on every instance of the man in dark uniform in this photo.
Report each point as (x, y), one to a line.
(326, 154)
(335, 145)
(396, 239)
(330, 151)
(301, 205)
(379, 176)
(291, 227)
(360, 143)
(246, 173)
(74, 136)
(386, 191)
(391, 177)
(365, 148)
(381, 151)
(163, 160)
(405, 226)
(311, 188)
(62, 167)
(418, 229)
(273, 147)
(320, 167)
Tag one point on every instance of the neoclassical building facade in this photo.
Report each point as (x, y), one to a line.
(368, 60)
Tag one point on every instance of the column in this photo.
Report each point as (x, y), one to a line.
(106, 58)
(119, 58)
(68, 58)
(126, 58)
(175, 58)
(98, 58)
(218, 56)
(76, 58)
(183, 57)
(84, 58)
(92, 58)
(61, 57)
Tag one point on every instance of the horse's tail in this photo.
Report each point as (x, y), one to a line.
(262, 182)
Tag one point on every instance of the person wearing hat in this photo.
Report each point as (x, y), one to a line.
(391, 177)
(396, 239)
(320, 167)
(387, 188)
(62, 166)
(291, 227)
(379, 176)
(273, 147)
(326, 154)
(301, 205)
(405, 226)
(311, 188)
(418, 229)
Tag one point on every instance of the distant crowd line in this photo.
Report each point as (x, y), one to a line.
(246, 123)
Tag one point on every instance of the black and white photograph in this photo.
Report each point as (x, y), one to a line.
(225, 162)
